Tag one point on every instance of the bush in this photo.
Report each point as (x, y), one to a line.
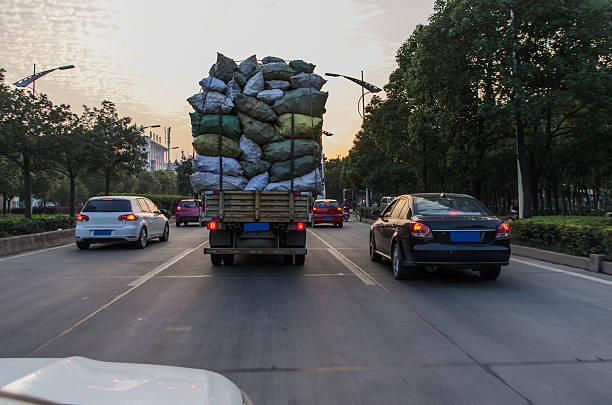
(578, 236)
(163, 201)
(13, 225)
(366, 212)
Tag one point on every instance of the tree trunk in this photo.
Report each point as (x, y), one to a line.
(107, 184)
(72, 195)
(27, 186)
(4, 204)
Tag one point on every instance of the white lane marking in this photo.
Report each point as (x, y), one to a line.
(36, 251)
(358, 271)
(569, 273)
(102, 308)
(163, 266)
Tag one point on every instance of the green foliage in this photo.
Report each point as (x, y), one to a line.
(13, 225)
(333, 173)
(157, 182)
(366, 212)
(163, 201)
(183, 171)
(579, 236)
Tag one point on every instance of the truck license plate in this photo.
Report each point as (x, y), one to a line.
(256, 226)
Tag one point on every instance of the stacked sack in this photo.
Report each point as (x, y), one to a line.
(252, 105)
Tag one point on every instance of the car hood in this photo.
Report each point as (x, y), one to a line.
(78, 380)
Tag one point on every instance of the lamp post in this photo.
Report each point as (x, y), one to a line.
(170, 160)
(35, 76)
(364, 86)
(326, 133)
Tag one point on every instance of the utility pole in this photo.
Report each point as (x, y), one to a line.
(168, 142)
(34, 82)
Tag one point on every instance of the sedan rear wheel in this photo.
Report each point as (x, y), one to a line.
(141, 243)
(83, 245)
(490, 273)
(375, 257)
(400, 272)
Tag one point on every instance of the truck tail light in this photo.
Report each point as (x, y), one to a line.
(212, 225)
(300, 226)
(421, 231)
(83, 218)
(128, 217)
(503, 231)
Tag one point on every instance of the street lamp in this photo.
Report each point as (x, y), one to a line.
(148, 126)
(323, 165)
(364, 85)
(371, 89)
(32, 79)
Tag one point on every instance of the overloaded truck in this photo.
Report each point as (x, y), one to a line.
(257, 129)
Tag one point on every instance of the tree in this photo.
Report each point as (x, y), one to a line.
(10, 185)
(45, 184)
(183, 171)
(24, 121)
(116, 145)
(332, 178)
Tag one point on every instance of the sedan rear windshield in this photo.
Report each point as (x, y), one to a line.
(324, 204)
(108, 206)
(438, 205)
(189, 204)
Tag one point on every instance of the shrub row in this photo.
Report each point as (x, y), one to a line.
(579, 236)
(163, 201)
(17, 225)
(40, 210)
(366, 212)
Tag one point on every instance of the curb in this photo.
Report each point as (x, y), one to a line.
(35, 241)
(594, 263)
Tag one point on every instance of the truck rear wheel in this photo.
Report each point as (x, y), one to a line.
(300, 259)
(216, 260)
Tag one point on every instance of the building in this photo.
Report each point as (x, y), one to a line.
(156, 152)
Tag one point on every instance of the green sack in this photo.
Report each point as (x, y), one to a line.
(251, 169)
(240, 78)
(208, 144)
(302, 126)
(209, 124)
(300, 101)
(301, 67)
(225, 68)
(257, 131)
(281, 171)
(255, 108)
(276, 71)
(281, 151)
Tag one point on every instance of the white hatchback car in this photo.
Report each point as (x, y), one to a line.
(120, 219)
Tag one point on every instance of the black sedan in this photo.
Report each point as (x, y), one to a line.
(435, 231)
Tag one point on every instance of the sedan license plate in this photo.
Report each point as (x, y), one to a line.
(103, 232)
(327, 218)
(465, 236)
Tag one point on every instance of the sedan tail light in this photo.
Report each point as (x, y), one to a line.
(178, 208)
(82, 217)
(128, 217)
(421, 231)
(503, 231)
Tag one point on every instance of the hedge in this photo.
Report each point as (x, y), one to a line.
(579, 236)
(366, 212)
(163, 201)
(13, 225)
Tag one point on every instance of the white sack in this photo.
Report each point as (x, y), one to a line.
(231, 166)
(278, 84)
(304, 80)
(233, 89)
(213, 84)
(251, 151)
(248, 66)
(272, 59)
(202, 181)
(258, 182)
(211, 103)
(270, 96)
(310, 182)
(255, 85)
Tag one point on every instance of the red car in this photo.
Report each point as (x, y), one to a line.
(188, 211)
(327, 212)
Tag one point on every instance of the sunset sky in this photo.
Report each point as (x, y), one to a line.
(148, 56)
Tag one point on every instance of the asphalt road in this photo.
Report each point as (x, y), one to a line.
(338, 330)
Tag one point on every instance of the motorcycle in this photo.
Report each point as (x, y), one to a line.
(345, 214)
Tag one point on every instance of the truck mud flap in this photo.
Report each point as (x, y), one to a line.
(239, 251)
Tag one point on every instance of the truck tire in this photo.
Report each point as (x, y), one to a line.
(228, 260)
(288, 259)
(299, 259)
(216, 260)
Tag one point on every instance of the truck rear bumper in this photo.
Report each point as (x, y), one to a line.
(265, 251)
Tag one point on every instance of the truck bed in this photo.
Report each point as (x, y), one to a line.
(257, 206)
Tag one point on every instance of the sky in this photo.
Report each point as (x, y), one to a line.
(148, 56)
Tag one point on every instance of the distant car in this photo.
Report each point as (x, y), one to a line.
(188, 211)
(79, 380)
(327, 212)
(434, 231)
(386, 201)
(120, 219)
